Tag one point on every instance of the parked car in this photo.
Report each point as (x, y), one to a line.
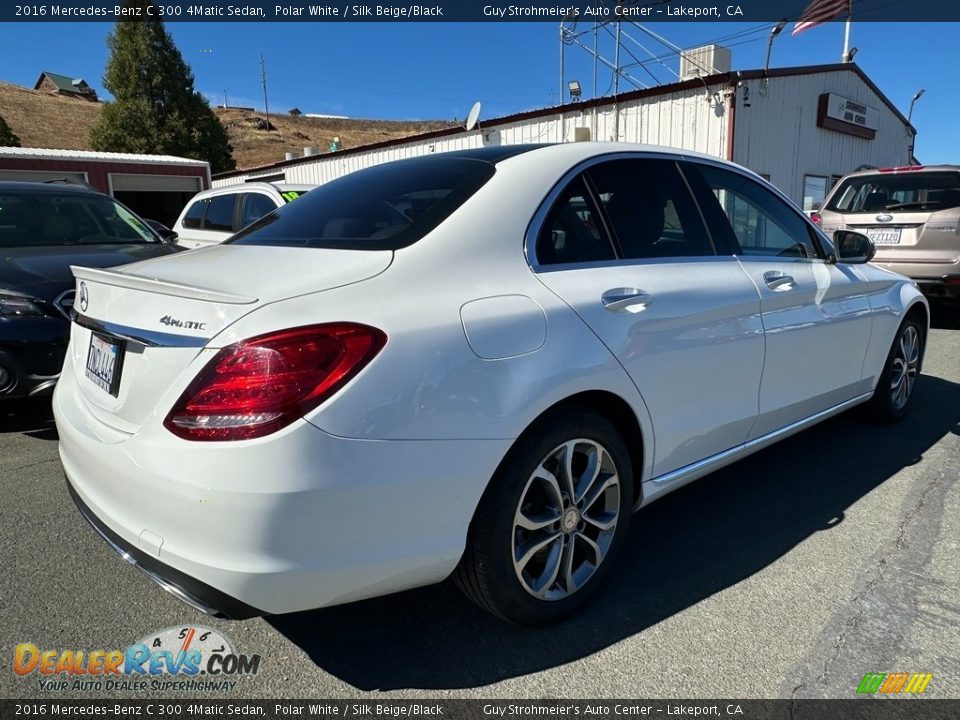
(214, 215)
(44, 230)
(162, 230)
(912, 214)
(476, 363)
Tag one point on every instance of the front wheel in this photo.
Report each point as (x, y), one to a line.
(899, 377)
(552, 521)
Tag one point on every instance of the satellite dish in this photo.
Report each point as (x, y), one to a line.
(473, 115)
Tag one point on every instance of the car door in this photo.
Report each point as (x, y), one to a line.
(816, 314)
(624, 246)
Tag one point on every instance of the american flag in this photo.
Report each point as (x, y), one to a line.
(820, 11)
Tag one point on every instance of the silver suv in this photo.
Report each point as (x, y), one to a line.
(911, 213)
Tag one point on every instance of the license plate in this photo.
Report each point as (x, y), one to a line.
(884, 236)
(104, 363)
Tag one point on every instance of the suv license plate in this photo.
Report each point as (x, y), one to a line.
(884, 236)
(104, 363)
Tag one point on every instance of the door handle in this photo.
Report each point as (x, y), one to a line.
(778, 282)
(625, 299)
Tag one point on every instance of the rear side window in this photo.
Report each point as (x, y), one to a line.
(386, 207)
(194, 216)
(916, 190)
(650, 209)
(220, 213)
(573, 232)
(255, 206)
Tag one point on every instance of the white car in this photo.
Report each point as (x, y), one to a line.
(476, 363)
(214, 215)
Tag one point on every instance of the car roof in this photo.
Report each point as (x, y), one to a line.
(278, 186)
(49, 187)
(903, 170)
(303, 187)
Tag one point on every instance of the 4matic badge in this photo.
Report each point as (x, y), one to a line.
(185, 324)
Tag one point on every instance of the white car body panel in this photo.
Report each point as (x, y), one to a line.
(480, 344)
(697, 342)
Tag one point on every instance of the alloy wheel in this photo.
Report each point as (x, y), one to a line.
(905, 364)
(566, 519)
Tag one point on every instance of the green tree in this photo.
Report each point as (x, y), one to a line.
(8, 138)
(156, 108)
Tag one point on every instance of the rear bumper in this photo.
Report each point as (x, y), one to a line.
(941, 279)
(294, 521)
(190, 590)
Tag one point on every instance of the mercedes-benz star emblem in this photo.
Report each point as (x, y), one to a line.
(884, 217)
(84, 296)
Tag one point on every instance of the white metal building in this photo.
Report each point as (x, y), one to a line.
(801, 127)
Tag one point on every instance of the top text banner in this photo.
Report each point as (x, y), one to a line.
(465, 11)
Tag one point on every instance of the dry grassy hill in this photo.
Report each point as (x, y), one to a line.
(48, 121)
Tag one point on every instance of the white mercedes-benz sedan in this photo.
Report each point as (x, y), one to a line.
(476, 363)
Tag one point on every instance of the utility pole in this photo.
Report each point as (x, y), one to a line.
(263, 83)
(224, 99)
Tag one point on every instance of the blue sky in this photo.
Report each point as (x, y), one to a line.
(437, 70)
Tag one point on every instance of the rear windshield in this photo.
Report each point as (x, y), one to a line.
(908, 191)
(385, 207)
(46, 218)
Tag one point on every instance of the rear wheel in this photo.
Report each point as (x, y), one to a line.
(896, 384)
(552, 521)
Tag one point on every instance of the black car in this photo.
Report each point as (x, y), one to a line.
(44, 229)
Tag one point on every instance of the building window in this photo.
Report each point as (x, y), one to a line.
(814, 191)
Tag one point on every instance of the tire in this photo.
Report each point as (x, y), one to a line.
(502, 569)
(891, 399)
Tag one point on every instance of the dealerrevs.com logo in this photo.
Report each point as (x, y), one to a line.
(187, 658)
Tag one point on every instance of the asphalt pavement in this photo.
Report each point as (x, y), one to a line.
(789, 574)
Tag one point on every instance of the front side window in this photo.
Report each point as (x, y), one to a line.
(650, 209)
(761, 223)
(573, 232)
(385, 207)
(220, 213)
(911, 190)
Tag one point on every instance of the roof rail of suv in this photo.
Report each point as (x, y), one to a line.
(71, 181)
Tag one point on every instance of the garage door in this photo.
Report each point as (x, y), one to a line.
(123, 182)
(41, 175)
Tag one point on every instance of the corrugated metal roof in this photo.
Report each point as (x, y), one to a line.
(26, 153)
(726, 78)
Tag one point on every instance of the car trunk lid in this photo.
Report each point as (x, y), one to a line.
(140, 326)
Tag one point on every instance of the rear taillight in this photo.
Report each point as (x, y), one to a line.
(815, 219)
(257, 386)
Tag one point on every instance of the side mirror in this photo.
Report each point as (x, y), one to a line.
(169, 237)
(853, 247)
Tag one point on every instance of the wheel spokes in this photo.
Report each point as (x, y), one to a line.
(567, 515)
(530, 551)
